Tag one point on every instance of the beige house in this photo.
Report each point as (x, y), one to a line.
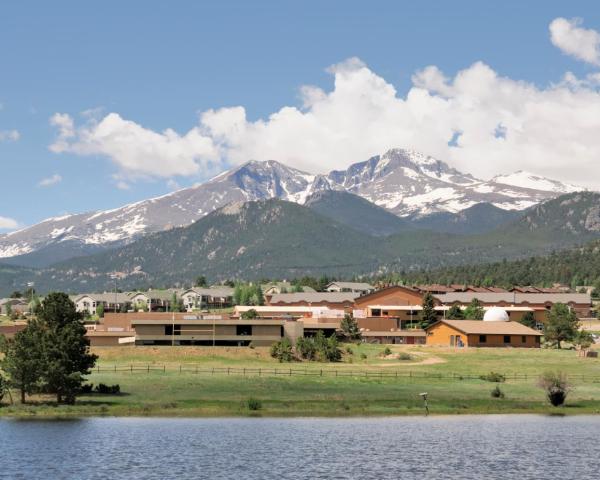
(355, 287)
(207, 298)
(87, 303)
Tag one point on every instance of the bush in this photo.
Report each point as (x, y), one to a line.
(306, 349)
(387, 351)
(363, 356)
(405, 356)
(87, 388)
(250, 314)
(108, 389)
(493, 377)
(497, 393)
(556, 386)
(3, 387)
(349, 350)
(254, 404)
(282, 350)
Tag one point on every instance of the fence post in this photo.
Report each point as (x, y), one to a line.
(131, 368)
(180, 368)
(164, 368)
(115, 368)
(148, 368)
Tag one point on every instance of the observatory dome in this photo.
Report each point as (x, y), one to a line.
(495, 314)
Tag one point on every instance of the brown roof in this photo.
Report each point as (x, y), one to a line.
(480, 327)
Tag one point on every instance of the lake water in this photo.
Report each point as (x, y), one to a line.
(458, 447)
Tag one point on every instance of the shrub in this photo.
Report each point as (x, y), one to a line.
(254, 404)
(108, 389)
(3, 387)
(497, 393)
(556, 386)
(251, 345)
(306, 349)
(493, 377)
(405, 356)
(387, 351)
(363, 356)
(282, 350)
(349, 350)
(87, 388)
(250, 314)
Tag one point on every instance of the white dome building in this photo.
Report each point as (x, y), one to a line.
(496, 314)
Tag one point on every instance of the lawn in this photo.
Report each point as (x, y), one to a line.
(363, 386)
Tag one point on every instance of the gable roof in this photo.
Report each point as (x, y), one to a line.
(480, 327)
(352, 285)
(388, 290)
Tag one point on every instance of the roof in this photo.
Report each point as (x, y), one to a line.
(479, 327)
(353, 285)
(220, 291)
(105, 297)
(514, 297)
(159, 294)
(314, 297)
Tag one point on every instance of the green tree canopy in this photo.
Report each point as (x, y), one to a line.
(428, 314)
(562, 324)
(474, 310)
(455, 313)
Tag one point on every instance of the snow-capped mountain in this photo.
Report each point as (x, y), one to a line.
(402, 181)
(410, 183)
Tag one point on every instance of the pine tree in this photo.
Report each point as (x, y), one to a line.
(24, 358)
(474, 310)
(455, 313)
(428, 314)
(65, 347)
(562, 324)
(528, 320)
(350, 327)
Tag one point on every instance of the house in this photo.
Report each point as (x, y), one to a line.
(18, 305)
(332, 300)
(111, 302)
(155, 300)
(355, 287)
(401, 303)
(482, 333)
(207, 298)
(282, 287)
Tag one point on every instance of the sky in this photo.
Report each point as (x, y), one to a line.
(106, 103)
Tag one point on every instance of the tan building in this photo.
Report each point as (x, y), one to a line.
(480, 333)
(332, 300)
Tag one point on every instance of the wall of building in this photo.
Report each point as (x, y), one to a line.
(441, 334)
(392, 296)
(498, 341)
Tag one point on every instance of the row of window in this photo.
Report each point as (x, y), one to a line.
(239, 330)
(507, 339)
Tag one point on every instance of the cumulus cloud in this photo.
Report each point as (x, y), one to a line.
(49, 181)
(477, 120)
(572, 39)
(7, 223)
(9, 135)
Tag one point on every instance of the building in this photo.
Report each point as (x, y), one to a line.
(207, 298)
(495, 330)
(401, 303)
(282, 287)
(155, 300)
(517, 304)
(175, 328)
(87, 303)
(332, 300)
(16, 305)
(355, 287)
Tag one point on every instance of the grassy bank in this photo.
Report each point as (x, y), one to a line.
(357, 390)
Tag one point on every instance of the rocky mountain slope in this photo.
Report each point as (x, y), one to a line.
(404, 182)
(279, 239)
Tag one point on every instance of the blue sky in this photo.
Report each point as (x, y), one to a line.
(160, 64)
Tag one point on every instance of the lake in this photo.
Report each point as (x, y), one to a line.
(458, 447)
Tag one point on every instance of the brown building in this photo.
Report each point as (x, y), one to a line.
(480, 333)
(332, 300)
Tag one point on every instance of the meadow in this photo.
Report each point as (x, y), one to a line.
(230, 381)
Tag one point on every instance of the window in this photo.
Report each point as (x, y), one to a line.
(376, 312)
(537, 340)
(482, 338)
(523, 339)
(243, 330)
(506, 338)
(169, 330)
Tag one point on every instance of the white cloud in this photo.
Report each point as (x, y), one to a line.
(9, 135)
(581, 43)
(51, 180)
(477, 120)
(7, 223)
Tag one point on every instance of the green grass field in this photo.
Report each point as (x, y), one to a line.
(364, 386)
